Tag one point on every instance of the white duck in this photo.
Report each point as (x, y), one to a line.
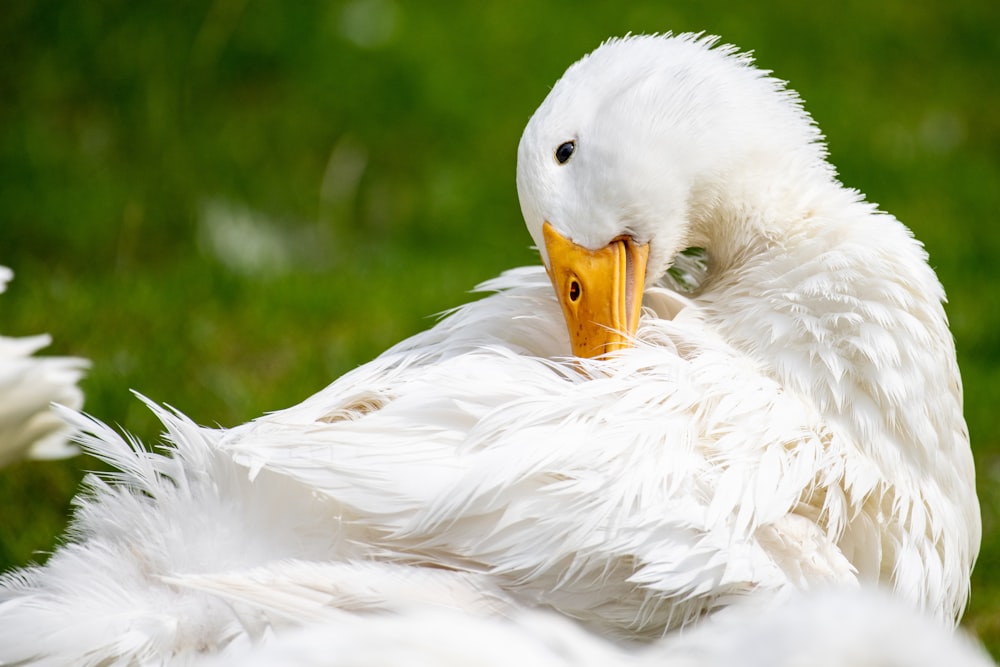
(29, 385)
(795, 422)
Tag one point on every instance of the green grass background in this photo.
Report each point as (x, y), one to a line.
(225, 205)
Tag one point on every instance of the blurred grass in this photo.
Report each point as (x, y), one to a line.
(226, 205)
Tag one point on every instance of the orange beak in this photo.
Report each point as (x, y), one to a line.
(600, 291)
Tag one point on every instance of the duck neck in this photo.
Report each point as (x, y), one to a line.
(837, 303)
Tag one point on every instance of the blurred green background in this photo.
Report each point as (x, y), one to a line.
(225, 205)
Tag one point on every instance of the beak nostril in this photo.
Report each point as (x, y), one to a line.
(574, 290)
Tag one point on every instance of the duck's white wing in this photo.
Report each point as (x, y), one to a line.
(29, 385)
(635, 493)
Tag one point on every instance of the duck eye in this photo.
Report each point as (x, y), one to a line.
(565, 151)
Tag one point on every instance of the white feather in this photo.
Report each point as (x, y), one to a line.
(29, 385)
(823, 629)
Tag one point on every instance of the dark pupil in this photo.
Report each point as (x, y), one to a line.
(574, 291)
(564, 151)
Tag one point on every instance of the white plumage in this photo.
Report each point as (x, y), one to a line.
(793, 422)
(29, 385)
(820, 629)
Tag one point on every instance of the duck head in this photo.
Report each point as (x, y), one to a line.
(620, 168)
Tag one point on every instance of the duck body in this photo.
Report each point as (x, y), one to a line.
(793, 422)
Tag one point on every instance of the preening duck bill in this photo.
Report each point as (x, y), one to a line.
(600, 291)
